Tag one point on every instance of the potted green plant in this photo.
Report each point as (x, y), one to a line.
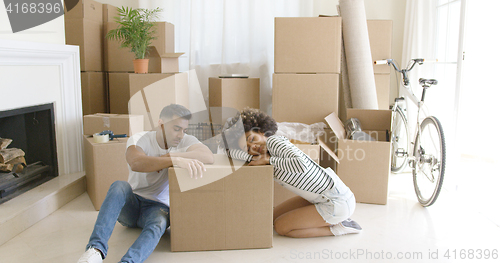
(136, 30)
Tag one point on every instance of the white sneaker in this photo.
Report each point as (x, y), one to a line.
(345, 227)
(92, 255)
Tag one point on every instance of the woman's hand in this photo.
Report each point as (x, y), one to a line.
(195, 167)
(262, 159)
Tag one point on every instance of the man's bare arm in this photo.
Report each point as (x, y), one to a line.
(140, 162)
(197, 151)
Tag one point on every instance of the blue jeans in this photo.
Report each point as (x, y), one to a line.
(131, 210)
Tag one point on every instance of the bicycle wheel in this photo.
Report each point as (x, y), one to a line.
(400, 141)
(430, 159)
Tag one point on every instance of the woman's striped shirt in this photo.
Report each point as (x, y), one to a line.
(292, 166)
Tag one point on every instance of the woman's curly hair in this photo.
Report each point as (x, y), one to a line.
(246, 120)
(256, 120)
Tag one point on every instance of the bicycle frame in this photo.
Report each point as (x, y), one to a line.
(418, 102)
(426, 153)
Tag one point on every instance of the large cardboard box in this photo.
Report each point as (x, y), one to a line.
(94, 92)
(364, 166)
(304, 98)
(162, 56)
(146, 94)
(117, 123)
(104, 164)
(307, 44)
(87, 9)
(235, 212)
(84, 28)
(380, 35)
(86, 34)
(109, 12)
(236, 93)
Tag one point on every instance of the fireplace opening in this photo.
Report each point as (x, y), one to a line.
(30, 132)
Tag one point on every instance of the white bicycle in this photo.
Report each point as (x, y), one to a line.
(426, 154)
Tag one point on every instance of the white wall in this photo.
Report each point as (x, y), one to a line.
(378, 9)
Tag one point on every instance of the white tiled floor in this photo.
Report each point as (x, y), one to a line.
(401, 229)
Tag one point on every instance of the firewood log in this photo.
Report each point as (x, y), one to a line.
(9, 154)
(7, 167)
(4, 142)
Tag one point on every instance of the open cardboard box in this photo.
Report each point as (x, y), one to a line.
(364, 166)
(230, 210)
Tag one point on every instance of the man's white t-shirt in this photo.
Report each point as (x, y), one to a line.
(154, 185)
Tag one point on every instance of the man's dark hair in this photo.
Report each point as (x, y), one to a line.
(168, 112)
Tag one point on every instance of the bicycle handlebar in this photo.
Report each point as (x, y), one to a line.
(404, 71)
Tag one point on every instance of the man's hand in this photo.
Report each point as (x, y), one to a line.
(262, 159)
(195, 167)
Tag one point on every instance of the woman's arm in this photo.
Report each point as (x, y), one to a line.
(240, 155)
(286, 156)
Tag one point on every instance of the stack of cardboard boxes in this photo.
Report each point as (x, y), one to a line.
(144, 94)
(306, 90)
(84, 28)
(105, 162)
(109, 86)
(307, 60)
(307, 67)
(107, 79)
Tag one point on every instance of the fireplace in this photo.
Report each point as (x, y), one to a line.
(31, 130)
(34, 73)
